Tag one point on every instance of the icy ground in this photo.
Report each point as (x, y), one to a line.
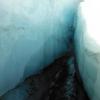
(56, 82)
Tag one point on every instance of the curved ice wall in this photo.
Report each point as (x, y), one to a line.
(87, 40)
(32, 34)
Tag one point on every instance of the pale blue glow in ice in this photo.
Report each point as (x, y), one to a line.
(32, 34)
(87, 40)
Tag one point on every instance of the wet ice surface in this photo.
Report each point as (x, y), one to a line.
(56, 82)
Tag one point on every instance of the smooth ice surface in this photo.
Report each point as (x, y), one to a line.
(32, 34)
(87, 40)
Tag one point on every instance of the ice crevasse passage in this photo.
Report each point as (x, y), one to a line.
(87, 40)
(32, 34)
(35, 32)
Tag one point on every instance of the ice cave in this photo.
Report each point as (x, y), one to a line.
(34, 34)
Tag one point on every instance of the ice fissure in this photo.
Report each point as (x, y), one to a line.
(33, 33)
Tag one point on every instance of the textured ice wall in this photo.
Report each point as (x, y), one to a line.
(32, 34)
(87, 39)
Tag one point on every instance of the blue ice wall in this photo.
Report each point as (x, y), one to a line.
(32, 34)
(87, 40)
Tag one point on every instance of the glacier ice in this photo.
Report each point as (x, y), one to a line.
(32, 34)
(87, 42)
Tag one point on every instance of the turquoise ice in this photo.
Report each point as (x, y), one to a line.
(32, 34)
